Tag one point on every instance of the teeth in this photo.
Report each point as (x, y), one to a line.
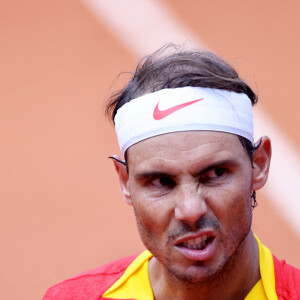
(198, 243)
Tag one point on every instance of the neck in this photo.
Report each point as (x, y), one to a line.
(234, 281)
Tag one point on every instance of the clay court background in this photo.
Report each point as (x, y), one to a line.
(61, 210)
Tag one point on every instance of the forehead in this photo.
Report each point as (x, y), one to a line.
(186, 146)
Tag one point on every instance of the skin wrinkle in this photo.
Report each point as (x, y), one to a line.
(193, 199)
(173, 164)
(173, 209)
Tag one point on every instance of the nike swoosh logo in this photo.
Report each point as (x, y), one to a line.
(160, 114)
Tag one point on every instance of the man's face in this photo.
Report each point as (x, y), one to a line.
(191, 196)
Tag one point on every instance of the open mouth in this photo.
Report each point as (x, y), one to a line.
(198, 243)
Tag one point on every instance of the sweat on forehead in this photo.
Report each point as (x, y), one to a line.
(183, 109)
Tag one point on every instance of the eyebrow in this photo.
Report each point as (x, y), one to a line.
(151, 175)
(221, 163)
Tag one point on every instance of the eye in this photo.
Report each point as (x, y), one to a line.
(213, 174)
(219, 171)
(163, 182)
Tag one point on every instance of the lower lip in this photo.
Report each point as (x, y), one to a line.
(198, 255)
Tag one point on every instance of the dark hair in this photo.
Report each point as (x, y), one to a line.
(171, 67)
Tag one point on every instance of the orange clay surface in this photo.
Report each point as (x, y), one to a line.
(61, 209)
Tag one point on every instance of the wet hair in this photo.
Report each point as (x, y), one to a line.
(173, 67)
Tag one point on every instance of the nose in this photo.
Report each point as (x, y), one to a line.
(190, 205)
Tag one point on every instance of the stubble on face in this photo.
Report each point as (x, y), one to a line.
(233, 244)
(237, 217)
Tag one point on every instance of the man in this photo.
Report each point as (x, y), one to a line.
(191, 171)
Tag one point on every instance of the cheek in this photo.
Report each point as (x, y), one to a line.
(152, 226)
(232, 204)
(153, 217)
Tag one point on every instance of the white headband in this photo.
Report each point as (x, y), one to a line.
(183, 109)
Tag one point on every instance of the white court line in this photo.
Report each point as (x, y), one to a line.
(144, 26)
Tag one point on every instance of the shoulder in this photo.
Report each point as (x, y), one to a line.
(287, 280)
(89, 285)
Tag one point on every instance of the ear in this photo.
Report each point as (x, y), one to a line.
(261, 163)
(120, 167)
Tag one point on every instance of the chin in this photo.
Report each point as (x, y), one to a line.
(197, 273)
